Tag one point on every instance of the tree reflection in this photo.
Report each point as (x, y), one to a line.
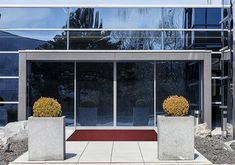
(83, 40)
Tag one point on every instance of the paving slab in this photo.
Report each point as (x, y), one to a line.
(97, 152)
(151, 157)
(111, 153)
(73, 152)
(126, 152)
(69, 131)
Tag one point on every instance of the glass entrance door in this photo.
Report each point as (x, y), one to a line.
(94, 94)
(122, 94)
(135, 90)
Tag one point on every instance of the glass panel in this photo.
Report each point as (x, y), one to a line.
(21, 40)
(9, 89)
(192, 70)
(173, 18)
(95, 94)
(115, 18)
(33, 17)
(214, 39)
(216, 90)
(135, 94)
(8, 113)
(200, 16)
(173, 40)
(213, 16)
(199, 39)
(9, 64)
(52, 79)
(216, 65)
(178, 78)
(115, 40)
(216, 116)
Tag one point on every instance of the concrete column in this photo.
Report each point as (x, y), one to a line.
(207, 91)
(22, 115)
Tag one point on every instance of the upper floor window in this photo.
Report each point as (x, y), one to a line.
(207, 18)
(116, 18)
(33, 17)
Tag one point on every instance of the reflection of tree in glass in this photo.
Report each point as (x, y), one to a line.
(135, 82)
(83, 40)
(173, 40)
(52, 80)
(171, 80)
(151, 40)
(138, 40)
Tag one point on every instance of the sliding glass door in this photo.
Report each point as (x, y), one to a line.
(135, 93)
(111, 94)
(94, 94)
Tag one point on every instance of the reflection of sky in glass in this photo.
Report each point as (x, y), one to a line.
(33, 17)
(39, 35)
(130, 17)
(173, 18)
(112, 2)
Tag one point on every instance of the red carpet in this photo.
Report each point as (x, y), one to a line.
(113, 135)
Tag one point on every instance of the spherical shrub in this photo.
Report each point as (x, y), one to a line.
(47, 107)
(176, 106)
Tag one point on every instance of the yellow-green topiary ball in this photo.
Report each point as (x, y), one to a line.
(47, 107)
(176, 106)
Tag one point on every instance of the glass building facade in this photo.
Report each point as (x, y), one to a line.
(55, 28)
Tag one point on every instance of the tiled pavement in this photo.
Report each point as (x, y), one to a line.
(110, 152)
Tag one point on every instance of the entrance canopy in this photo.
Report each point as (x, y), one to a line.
(115, 3)
(114, 81)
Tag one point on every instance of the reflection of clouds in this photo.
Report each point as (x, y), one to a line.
(32, 17)
(112, 2)
(130, 17)
(39, 35)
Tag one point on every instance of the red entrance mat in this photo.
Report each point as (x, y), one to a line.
(113, 135)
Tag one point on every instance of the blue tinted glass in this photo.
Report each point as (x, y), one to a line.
(173, 40)
(33, 17)
(173, 18)
(9, 64)
(8, 113)
(21, 40)
(115, 18)
(52, 79)
(178, 78)
(213, 16)
(199, 16)
(95, 85)
(9, 89)
(213, 40)
(134, 86)
(115, 40)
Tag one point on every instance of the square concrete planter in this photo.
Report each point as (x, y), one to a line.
(46, 138)
(175, 137)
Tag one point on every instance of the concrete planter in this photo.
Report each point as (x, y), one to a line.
(140, 116)
(87, 116)
(46, 138)
(175, 138)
